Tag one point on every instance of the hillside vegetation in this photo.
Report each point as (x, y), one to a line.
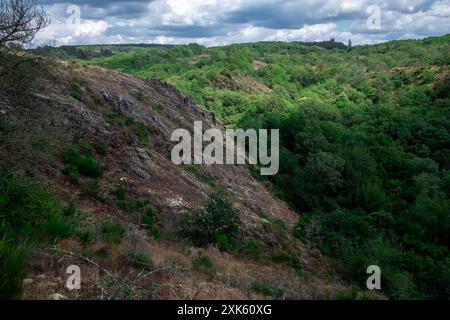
(365, 142)
(86, 179)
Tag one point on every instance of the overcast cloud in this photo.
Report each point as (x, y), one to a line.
(221, 22)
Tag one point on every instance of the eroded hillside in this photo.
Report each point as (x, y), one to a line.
(124, 124)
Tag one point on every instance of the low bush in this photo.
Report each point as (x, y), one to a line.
(267, 289)
(29, 216)
(27, 210)
(159, 107)
(86, 165)
(251, 249)
(142, 133)
(86, 234)
(57, 228)
(203, 263)
(216, 221)
(120, 193)
(287, 259)
(223, 243)
(12, 270)
(101, 147)
(142, 261)
(112, 232)
(148, 220)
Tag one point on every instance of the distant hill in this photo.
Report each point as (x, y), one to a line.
(86, 176)
(365, 142)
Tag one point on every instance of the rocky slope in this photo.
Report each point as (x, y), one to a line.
(78, 104)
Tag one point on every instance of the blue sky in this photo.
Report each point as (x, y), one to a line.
(222, 22)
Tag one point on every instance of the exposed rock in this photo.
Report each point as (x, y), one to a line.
(147, 172)
(145, 156)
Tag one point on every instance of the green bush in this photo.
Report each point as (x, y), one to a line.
(86, 165)
(203, 262)
(288, 259)
(76, 92)
(57, 228)
(29, 216)
(112, 232)
(72, 172)
(223, 243)
(70, 210)
(159, 107)
(86, 234)
(267, 289)
(12, 270)
(28, 211)
(142, 133)
(120, 193)
(101, 147)
(142, 261)
(251, 249)
(148, 220)
(218, 219)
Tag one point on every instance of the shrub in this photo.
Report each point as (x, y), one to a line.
(133, 206)
(154, 233)
(148, 220)
(251, 249)
(72, 172)
(223, 243)
(267, 289)
(113, 232)
(288, 259)
(159, 107)
(70, 210)
(12, 270)
(76, 92)
(120, 193)
(86, 235)
(142, 133)
(85, 165)
(116, 119)
(26, 209)
(218, 219)
(56, 228)
(142, 261)
(101, 147)
(203, 262)
(5, 126)
(84, 147)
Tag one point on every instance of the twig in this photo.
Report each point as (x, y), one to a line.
(70, 253)
(142, 276)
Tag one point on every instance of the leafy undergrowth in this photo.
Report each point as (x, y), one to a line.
(30, 218)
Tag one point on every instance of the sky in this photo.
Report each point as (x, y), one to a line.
(222, 22)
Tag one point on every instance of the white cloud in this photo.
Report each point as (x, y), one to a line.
(215, 22)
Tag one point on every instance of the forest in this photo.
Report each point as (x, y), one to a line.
(365, 141)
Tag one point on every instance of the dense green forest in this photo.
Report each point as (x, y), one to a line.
(365, 142)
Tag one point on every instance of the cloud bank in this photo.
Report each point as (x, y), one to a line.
(222, 22)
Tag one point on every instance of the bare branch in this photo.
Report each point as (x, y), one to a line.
(20, 20)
